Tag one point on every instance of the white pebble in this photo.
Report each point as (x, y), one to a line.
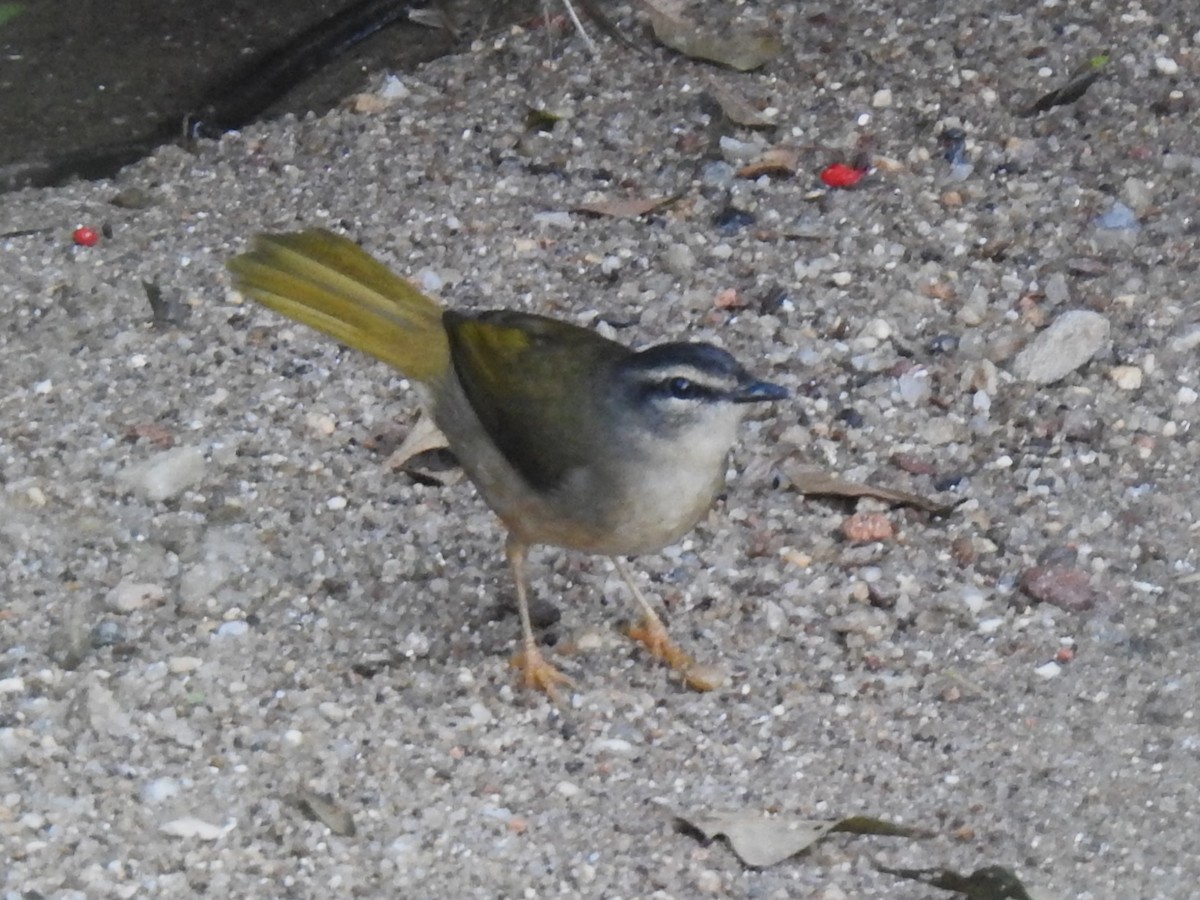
(1185, 396)
(615, 746)
(1048, 670)
(332, 712)
(13, 685)
(882, 98)
(990, 626)
(567, 789)
(1070, 341)
(1127, 378)
(166, 475)
(914, 386)
(158, 790)
(974, 600)
(131, 595)
(336, 504)
(553, 219)
(1164, 65)
(181, 665)
(191, 827)
(679, 260)
(841, 279)
(236, 628)
(430, 281)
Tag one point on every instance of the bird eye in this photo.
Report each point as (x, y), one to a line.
(681, 388)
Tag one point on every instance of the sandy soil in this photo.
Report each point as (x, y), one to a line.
(218, 603)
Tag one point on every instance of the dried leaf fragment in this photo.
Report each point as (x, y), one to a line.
(989, 883)
(425, 437)
(1081, 79)
(736, 108)
(779, 161)
(624, 208)
(324, 809)
(811, 480)
(761, 841)
(739, 49)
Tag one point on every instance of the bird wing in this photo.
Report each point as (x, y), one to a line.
(537, 386)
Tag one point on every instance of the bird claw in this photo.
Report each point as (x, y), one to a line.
(539, 675)
(652, 635)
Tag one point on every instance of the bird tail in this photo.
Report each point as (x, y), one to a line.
(331, 284)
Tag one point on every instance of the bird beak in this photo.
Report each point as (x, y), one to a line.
(758, 392)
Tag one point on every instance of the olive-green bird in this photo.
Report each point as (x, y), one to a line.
(572, 439)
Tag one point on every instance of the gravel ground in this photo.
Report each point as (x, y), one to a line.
(219, 601)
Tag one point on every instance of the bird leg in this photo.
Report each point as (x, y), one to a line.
(536, 673)
(650, 631)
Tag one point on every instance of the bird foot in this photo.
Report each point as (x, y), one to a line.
(539, 675)
(652, 634)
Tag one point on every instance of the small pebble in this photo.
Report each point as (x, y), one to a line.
(235, 628)
(166, 475)
(553, 219)
(180, 665)
(1127, 378)
(1048, 670)
(1070, 341)
(1117, 217)
(914, 386)
(881, 99)
(615, 746)
(704, 678)
(730, 220)
(107, 633)
(567, 789)
(1062, 586)
(430, 281)
(1164, 65)
(990, 626)
(191, 827)
(718, 175)
(158, 790)
(679, 260)
(132, 595)
(332, 712)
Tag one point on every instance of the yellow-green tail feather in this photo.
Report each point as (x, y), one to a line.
(331, 284)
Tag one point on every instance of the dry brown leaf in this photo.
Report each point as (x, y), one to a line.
(761, 841)
(739, 49)
(779, 160)
(424, 438)
(624, 208)
(814, 481)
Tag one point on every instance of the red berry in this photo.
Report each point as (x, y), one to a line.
(86, 236)
(840, 175)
